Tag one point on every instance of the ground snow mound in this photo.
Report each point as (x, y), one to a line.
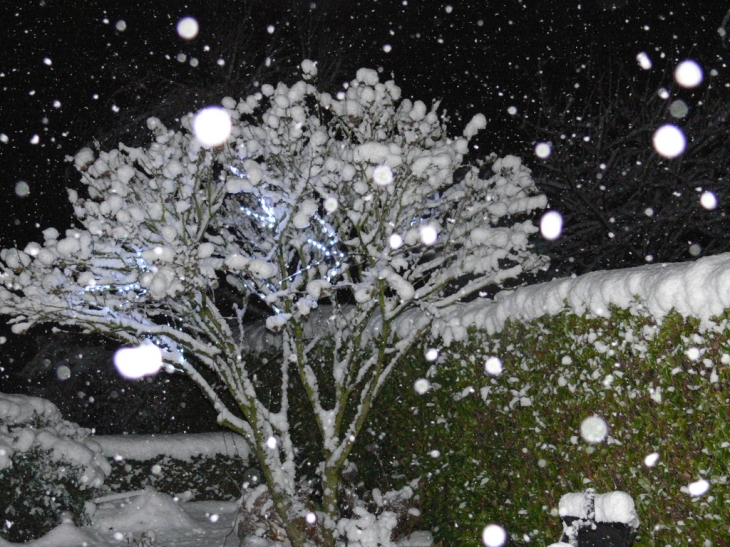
(149, 510)
(64, 535)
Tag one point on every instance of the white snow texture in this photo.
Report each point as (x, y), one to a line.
(698, 289)
(31, 422)
(609, 507)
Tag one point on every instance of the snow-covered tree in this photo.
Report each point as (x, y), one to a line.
(348, 202)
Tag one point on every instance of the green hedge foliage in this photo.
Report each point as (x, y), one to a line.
(200, 478)
(504, 449)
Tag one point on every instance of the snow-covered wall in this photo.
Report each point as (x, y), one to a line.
(181, 447)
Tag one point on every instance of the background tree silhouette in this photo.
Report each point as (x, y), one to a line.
(623, 204)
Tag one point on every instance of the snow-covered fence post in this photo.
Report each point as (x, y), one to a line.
(348, 201)
(598, 520)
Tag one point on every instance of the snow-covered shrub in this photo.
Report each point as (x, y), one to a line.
(201, 478)
(377, 520)
(48, 467)
(381, 519)
(348, 201)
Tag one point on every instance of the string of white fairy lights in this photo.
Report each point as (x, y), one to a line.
(330, 249)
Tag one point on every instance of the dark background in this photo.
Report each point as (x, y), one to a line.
(473, 56)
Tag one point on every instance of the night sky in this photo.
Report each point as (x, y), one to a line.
(75, 71)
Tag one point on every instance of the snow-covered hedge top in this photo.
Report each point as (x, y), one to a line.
(698, 289)
(31, 422)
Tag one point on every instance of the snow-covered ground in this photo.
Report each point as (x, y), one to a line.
(151, 518)
(148, 518)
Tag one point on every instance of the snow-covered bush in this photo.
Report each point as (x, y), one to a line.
(374, 524)
(349, 201)
(372, 520)
(48, 467)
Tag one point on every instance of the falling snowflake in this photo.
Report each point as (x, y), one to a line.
(144, 360)
(494, 535)
(212, 126)
(669, 141)
(432, 354)
(22, 189)
(594, 429)
(421, 386)
(428, 234)
(187, 28)
(382, 175)
(330, 204)
(688, 74)
(551, 225)
(708, 200)
(395, 241)
(644, 61)
(543, 150)
(493, 366)
(698, 488)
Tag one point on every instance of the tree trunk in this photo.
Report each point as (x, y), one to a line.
(295, 533)
(330, 507)
(294, 527)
